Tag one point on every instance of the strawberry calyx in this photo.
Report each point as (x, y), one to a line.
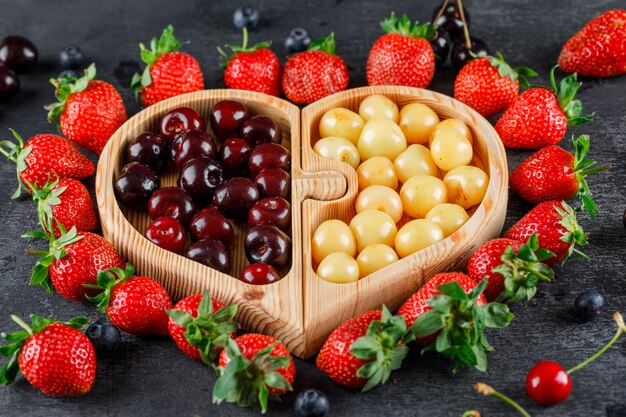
(523, 270)
(574, 235)
(384, 346)
(209, 329)
(565, 92)
(582, 168)
(505, 70)
(404, 27)
(247, 382)
(165, 44)
(326, 44)
(239, 49)
(17, 339)
(16, 153)
(64, 88)
(56, 251)
(461, 324)
(46, 198)
(105, 281)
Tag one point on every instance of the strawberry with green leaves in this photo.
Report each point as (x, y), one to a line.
(363, 351)
(56, 358)
(315, 73)
(89, 111)
(403, 55)
(168, 72)
(599, 49)
(254, 68)
(489, 85)
(251, 368)
(135, 304)
(456, 319)
(45, 158)
(556, 227)
(552, 173)
(200, 326)
(72, 261)
(66, 202)
(512, 268)
(540, 116)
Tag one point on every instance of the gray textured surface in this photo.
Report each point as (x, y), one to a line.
(150, 377)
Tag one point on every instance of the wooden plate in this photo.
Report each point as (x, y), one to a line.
(301, 309)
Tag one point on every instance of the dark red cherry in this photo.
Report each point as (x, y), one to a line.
(260, 129)
(273, 182)
(274, 211)
(227, 116)
(180, 120)
(167, 233)
(451, 20)
(236, 196)
(259, 274)
(136, 183)
(267, 244)
(460, 55)
(9, 84)
(174, 146)
(210, 223)
(269, 155)
(234, 156)
(18, 53)
(150, 149)
(200, 177)
(548, 383)
(174, 202)
(193, 144)
(211, 253)
(441, 46)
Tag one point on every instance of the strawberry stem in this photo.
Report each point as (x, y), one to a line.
(488, 390)
(621, 329)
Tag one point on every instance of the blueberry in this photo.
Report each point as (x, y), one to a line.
(297, 41)
(69, 73)
(311, 403)
(588, 305)
(71, 57)
(246, 16)
(104, 336)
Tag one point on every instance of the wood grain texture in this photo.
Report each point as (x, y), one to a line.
(149, 377)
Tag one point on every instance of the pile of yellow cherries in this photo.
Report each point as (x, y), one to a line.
(419, 182)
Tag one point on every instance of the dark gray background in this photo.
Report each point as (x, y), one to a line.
(150, 377)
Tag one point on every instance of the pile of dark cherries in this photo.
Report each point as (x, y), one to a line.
(240, 175)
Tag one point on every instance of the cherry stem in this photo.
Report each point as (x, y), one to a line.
(488, 390)
(468, 41)
(471, 413)
(621, 329)
(443, 8)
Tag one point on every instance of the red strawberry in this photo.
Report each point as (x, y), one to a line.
(555, 224)
(489, 85)
(315, 73)
(539, 117)
(72, 261)
(513, 268)
(66, 202)
(251, 367)
(200, 326)
(89, 111)
(45, 158)
(168, 73)
(553, 173)
(363, 351)
(135, 304)
(403, 55)
(255, 69)
(56, 358)
(599, 49)
(449, 315)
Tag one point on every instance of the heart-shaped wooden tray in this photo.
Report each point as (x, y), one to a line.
(302, 309)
